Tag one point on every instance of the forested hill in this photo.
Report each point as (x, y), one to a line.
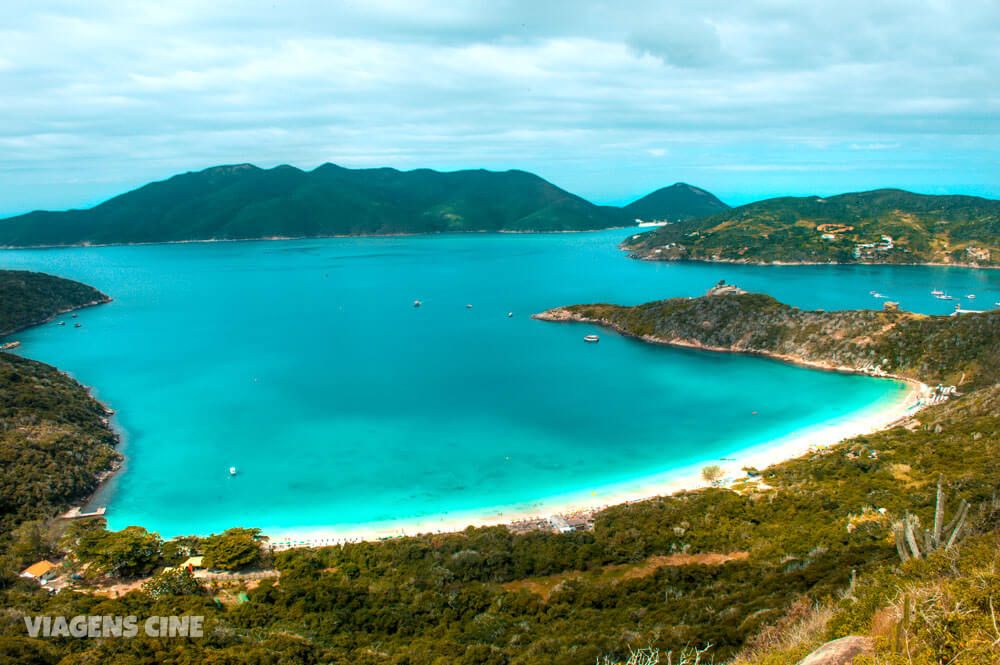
(244, 201)
(881, 226)
(933, 349)
(677, 202)
(55, 440)
(30, 298)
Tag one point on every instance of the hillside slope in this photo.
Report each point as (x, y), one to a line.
(848, 228)
(675, 203)
(30, 298)
(244, 202)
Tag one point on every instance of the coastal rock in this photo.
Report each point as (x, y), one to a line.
(838, 652)
(723, 289)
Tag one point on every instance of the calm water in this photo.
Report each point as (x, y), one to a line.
(305, 365)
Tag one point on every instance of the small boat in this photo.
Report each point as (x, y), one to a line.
(510, 314)
(877, 295)
(61, 323)
(416, 303)
(468, 307)
(591, 338)
(232, 471)
(971, 296)
(73, 315)
(937, 292)
(77, 325)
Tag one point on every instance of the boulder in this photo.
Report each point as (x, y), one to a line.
(838, 652)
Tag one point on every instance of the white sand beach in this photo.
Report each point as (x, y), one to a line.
(688, 478)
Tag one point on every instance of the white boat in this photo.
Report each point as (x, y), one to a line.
(232, 471)
(416, 303)
(62, 323)
(591, 338)
(877, 295)
(971, 296)
(510, 314)
(937, 292)
(468, 307)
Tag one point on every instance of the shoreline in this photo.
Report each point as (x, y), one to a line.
(80, 245)
(746, 262)
(759, 456)
(92, 303)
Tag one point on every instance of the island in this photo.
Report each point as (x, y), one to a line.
(885, 226)
(244, 202)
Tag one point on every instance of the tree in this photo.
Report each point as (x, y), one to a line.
(177, 582)
(233, 549)
(712, 473)
(129, 552)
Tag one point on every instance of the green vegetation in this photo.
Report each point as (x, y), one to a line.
(126, 553)
(923, 229)
(935, 349)
(675, 203)
(234, 549)
(449, 598)
(239, 202)
(55, 442)
(30, 298)
(763, 571)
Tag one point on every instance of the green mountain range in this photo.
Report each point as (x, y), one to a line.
(247, 202)
(675, 203)
(880, 226)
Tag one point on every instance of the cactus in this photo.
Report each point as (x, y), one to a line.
(902, 626)
(906, 530)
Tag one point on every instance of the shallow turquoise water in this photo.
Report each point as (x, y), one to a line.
(305, 364)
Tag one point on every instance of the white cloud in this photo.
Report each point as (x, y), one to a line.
(109, 88)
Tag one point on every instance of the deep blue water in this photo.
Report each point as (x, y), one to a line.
(305, 365)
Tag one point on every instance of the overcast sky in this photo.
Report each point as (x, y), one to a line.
(606, 99)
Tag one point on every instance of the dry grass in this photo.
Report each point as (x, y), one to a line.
(543, 586)
(794, 635)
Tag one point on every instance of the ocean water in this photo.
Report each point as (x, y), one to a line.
(306, 365)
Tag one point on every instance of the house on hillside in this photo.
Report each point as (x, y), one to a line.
(977, 254)
(43, 571)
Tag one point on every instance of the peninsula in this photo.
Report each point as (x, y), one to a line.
(56, 442)
(881, 226)
(30, 298)
(962, 350)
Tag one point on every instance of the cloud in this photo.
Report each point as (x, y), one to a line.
(678, 41)
(574, 90)
(873, 146)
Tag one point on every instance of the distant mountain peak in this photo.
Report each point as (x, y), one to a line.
(674, 203)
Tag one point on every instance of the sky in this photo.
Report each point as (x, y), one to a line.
(609, 100)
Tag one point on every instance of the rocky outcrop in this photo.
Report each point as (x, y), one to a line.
(839, 652)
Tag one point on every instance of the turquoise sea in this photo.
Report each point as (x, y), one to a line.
(306, 365)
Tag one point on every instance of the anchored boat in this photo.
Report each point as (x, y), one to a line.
(591, 338)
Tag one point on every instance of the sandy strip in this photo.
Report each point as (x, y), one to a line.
(760, 457)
